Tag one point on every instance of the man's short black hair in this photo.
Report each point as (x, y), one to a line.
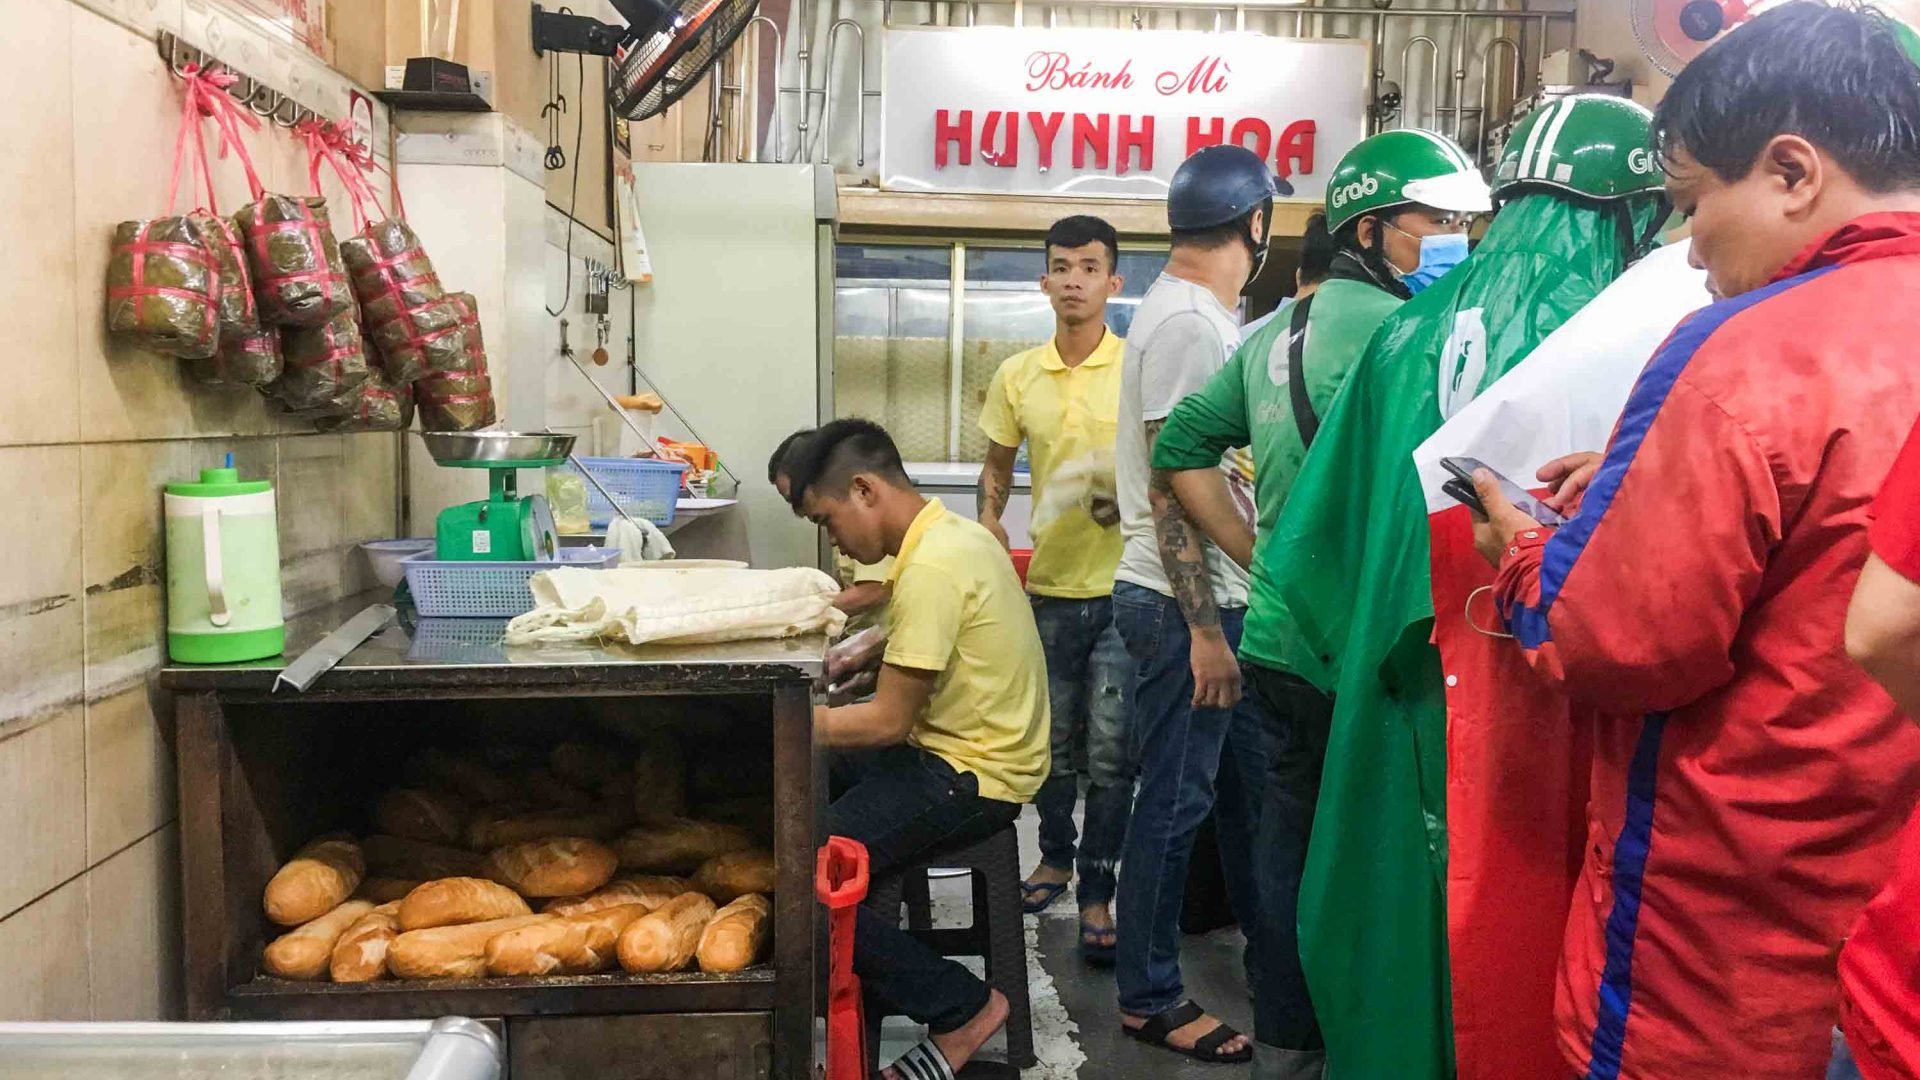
(1081, 230)
(832, 456)
(1835, 76)
(776, 464)
(1317, 250)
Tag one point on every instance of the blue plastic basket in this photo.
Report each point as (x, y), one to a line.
(646, 487)
(488, 590)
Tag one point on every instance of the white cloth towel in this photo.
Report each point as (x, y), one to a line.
(644, 605)
(638, 540)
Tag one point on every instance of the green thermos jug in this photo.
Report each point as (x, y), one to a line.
(223, 570)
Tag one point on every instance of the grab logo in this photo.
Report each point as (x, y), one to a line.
(1463, 362)
(1640, 161)
(1359, 189)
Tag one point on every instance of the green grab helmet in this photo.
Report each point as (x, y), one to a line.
(1590, 144)
(1409, 165)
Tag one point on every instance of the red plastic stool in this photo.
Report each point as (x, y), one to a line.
(1021, 558)
(840, 882)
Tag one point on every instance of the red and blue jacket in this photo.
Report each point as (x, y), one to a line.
(1748, 790)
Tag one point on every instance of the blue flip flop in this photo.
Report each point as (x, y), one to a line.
(1035, 899)
(1098, 944)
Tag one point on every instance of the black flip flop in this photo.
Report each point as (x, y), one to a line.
(1155, 1031)
(923, 1062)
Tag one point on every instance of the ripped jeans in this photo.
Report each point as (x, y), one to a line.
(1087, 677)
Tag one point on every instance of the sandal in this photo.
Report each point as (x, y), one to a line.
(1035, 899)
(1155, 1031)
(1098, 944)
(923, 1062)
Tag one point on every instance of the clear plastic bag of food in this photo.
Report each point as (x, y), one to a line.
(567, 494)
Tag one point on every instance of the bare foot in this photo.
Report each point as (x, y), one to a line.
(1047, 875)
(1188, 1036)
(1096, 917)
(959, 1045)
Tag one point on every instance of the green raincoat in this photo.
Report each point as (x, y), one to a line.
(1351, 563)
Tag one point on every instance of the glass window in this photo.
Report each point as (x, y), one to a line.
(892, 311)
(890, 315)
(1006, 313)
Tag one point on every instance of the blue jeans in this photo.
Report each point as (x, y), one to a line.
(1298, 720)
(1087, 672)
(1192, 762)
(1842, 1066)
(902, 802)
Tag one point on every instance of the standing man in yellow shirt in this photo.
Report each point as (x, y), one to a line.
(1063, 399)
(954, 740)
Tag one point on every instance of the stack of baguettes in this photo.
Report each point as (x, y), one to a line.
(448, 884)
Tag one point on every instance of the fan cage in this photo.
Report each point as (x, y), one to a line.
(648, 78)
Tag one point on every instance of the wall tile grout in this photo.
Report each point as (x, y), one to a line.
(110, 856)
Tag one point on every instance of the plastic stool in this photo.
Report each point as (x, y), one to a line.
(998, 934)
(840, 882)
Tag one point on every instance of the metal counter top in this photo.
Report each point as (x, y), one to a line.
(419, 657)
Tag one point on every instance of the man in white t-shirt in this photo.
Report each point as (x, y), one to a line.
(1179, 603)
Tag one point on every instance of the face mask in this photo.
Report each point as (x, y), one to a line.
(1438, 254)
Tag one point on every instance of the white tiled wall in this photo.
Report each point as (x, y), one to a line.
(89, 431)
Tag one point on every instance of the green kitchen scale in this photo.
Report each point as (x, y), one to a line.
(506, 526)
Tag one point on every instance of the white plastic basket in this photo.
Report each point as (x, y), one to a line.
(488, 590)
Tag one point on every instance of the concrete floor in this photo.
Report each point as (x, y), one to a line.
(1075, 1017)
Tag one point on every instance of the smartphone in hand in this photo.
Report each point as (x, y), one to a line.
(1463, 469)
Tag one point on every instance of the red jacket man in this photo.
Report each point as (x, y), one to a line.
(1749, 806)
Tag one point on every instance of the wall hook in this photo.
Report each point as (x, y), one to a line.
(266, 94)
(292, 118)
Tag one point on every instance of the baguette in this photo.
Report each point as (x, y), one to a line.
(665, 940)
(572, 945)
(395, 856)
(546, 789)
(660, 780)
(304, 953)
(678, 846)
(734, 935)
(728, 877)
(474, 781)
(490, 831)
(361, 953)
(452, 901)
(317, 880)
(561, 866)
(413, 814)
(382, 890)
(457, 952)
(651, 891)
(584, 764)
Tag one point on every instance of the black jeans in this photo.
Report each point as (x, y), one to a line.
(902, 802)
(1297, 718)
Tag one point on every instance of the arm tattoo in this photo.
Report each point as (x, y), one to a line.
(994, 491)
(1182, 552)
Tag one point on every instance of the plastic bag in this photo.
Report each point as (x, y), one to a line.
(163, 287)
(413, 326)
(374, 405)
(567, 494)
(298, 277)
(323, 364)
(238, 314)
(459, 400)
(250, 359)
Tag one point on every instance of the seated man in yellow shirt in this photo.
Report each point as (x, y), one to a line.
(955, 738)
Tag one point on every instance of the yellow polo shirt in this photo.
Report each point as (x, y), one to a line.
(1063, 413)
(957, 609)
